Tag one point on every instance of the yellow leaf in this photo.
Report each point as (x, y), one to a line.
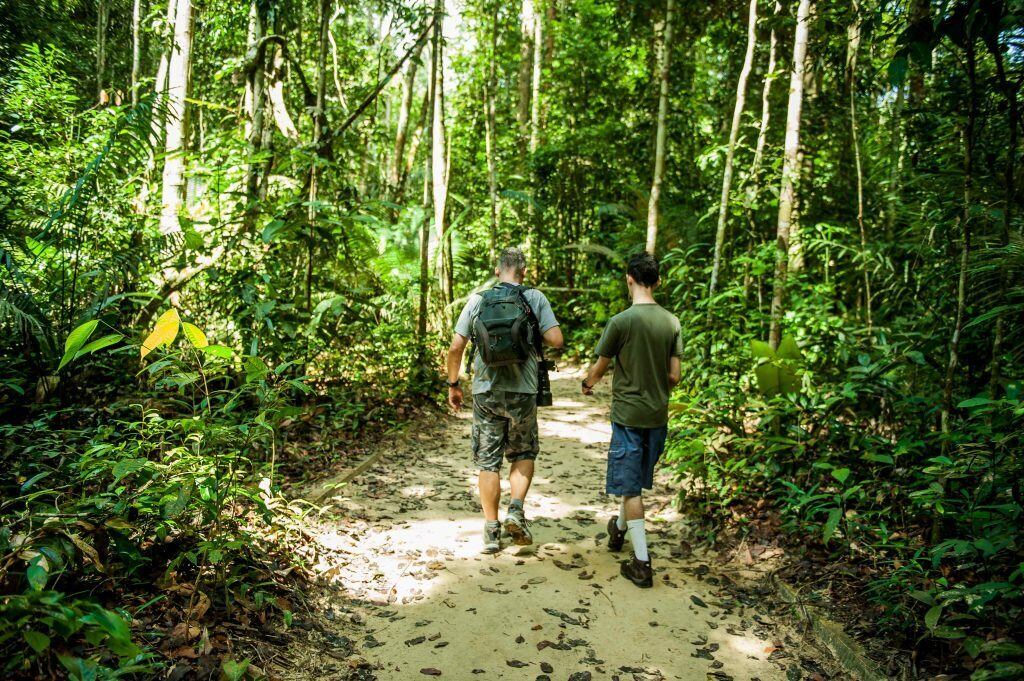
(164, 333)
(195, 335)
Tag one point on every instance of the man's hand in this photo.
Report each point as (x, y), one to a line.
(587, 389)
(455, 397)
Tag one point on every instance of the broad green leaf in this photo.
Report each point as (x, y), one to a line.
(99, 344)
(879, 458)
(841, 474)
(972, 644)
(79, 669)
(37, 572)
(788, 349)
(831, 524)
(761, 349)
(931, 618)
(768, 380)
(38, 641)
(975, 402)
(998, 671)
(221, 351)
(948, 632)
(255, 369)
(271, 230)
(234, 670)
(164, 333)
(76, 339)
(195, 335)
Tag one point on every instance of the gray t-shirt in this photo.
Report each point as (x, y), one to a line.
(518, 378)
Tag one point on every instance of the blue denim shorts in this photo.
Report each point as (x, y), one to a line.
(632, 457)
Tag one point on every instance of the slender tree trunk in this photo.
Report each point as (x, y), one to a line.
(805, 163)
(439, 158)
(853, 45)
(402, 126)
(254, 101)
(318, 129)
(428, 118)
(533, 232)
(176, 140)
(790, 170)
(734, 132)
(659, 135)
(136, 50)
(1009, 191)
(416, 138)
(278, 105)
(762, 131)
(892, 198)
(102, 21)
(527, 18)
(489, 121)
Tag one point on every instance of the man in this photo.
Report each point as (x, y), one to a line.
(504, 401)
(645, 343)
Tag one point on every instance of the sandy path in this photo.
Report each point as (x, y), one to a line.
(410, 532)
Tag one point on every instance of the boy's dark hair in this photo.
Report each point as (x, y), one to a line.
(643, 267)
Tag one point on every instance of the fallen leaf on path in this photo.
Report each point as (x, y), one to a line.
(430, 671)
(517, 664)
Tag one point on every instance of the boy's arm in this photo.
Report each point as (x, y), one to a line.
(596, 373)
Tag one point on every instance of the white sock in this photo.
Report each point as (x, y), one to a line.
(620, 522)
(638, 538)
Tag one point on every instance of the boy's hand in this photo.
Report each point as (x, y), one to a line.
(455, 397)
(587, 389)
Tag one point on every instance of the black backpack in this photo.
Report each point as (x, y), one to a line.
(504, 327)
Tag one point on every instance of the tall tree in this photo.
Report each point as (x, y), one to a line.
(102, 22)
(526, 38)
(176, 128)
(659, 135)
(255, 98)
(439, 160)
(136, 50)
(318, 129)
(402, 125)
(490, 94)
(852, 46)
(734, 132)
(790, 170)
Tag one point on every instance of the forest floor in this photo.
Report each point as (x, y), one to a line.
(409, 593)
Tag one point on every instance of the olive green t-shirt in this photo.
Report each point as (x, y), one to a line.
(641, 340)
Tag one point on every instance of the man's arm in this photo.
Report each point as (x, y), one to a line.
(553, 337)
(675, 371)
(455, 352)
(595, 374)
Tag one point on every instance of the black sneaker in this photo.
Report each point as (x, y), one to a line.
(639, 572)
(517, 528)
(615, 536)
(492, 538)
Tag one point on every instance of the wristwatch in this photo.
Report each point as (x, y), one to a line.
(453, 384)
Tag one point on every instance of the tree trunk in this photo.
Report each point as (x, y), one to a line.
(737, 115)
(402, 127)
(428, 119)
(255, 97)
(278, 105)
(416, 139)
(790, 170)
(102, 21)
(659, 135)
(136, 50)
(490, 89)
(762, 131)
(318, 128)
(439, 159)
(525, 73)
(1009, 191)
(893, 191)
(853, 45)
(176, 140)
(533, 239)
(965, 247)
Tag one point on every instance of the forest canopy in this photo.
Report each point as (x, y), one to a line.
(227, 227)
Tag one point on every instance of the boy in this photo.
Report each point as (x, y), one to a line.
(645, 343)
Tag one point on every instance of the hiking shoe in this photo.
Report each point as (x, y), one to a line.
(517, 528)
(492, 538)
(638, 572)
(615, 536)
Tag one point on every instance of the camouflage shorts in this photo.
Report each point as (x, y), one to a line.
(504, 423)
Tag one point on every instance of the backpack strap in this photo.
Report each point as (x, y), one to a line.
(538, 340)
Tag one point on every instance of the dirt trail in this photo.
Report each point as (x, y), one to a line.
(405, 548)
